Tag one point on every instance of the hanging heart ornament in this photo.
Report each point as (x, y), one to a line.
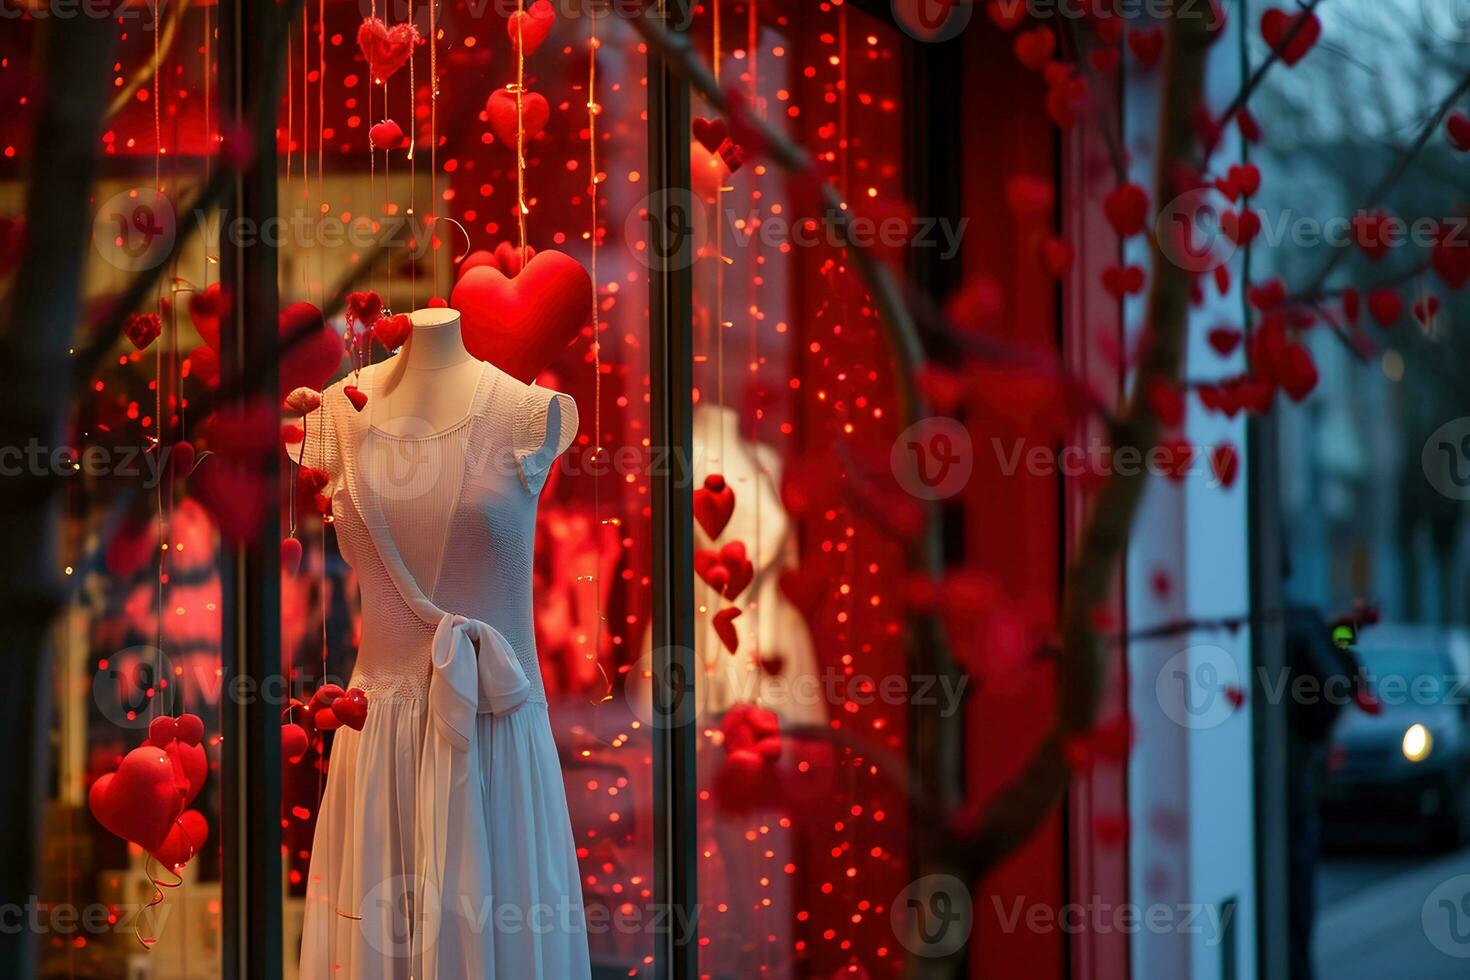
(500, 111)
(385, 48)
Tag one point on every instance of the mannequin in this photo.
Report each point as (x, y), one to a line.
(429, 385)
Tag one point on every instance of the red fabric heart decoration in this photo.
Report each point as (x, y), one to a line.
(319, 709)
(1225, 462)
(386, 135)
(522, 324)
(392, 331)
(529, 28)
(356, 396)
(1458, 128)
(142, 328)
(316, 349)
(1126, 208)
(363, 310)
(1246, 179)
(506, 258)
(1386, 306)
(181, 738)
(732, 556)
(1277, 24)
(714, 503)
(500, 110)
(724, 621)
(294, 742)
(1373, 233)
(206, 309)
(351, 708)
(1035, 47)
(290, 555)
(1225, 340)
(184, 841)
(386, 49)
(1123, 282)
(1147, 46)
(732, 155)
(203, 364)
(140, 800)
(711, 133)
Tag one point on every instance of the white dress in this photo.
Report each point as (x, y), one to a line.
(444, 850)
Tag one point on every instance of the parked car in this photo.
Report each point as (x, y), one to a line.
(1403, 773)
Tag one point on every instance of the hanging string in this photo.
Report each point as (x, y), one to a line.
(594, 188)
(720, 260)
(321, 139)
(306, 130)
(521, 209)
(413, 186)
(433, 133)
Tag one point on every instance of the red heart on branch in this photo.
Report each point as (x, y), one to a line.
(529, 28)
(714, 503)
(386, 49)
(1225, 462)
(522, 324)
(1225, 340)
(1277, 24)
(500, 110)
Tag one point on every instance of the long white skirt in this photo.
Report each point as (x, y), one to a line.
(367, 899)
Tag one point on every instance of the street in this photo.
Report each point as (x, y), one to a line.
(1395, 914)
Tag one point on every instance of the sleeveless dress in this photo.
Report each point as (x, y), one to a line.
(444, 848)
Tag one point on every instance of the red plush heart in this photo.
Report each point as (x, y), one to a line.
(500, 110)
(319, 709)
(184, 841)
(1277, 24)
(529, 28)
(1451, 258)
(181, 737)
(1246, 179)
(732, 155)
(315, 349)
(1225, 340)
(386, 49)
(206, 309)
(351, 708)
(1034, 48)
(356, 396)
(392, 331)
(732, 556)
(1126, 208)
(1120, 282)
(1147, 46)
(386, 135)
(521, 324)
(140, 801)
(142, 328)
(711, 133)
(363, 310)
(1386, 306)
(290, 555)
(181, 458)
(724, 621)
(714, 503)
(1458, 128)
(294, 742)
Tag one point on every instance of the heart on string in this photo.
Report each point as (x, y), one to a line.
(724, 622)
(207, 308)
(1058, 255)
(711, 133)
(1457, 126)
(529, 28)
(385, 48)
(182, 739)
(363, 310)
(356, 396)
(1277, 24)
(386, 135)
(290, 555)
(714, 503)
(727, 571)
(140, 800)
(392, 331)
(522, 324)
(1147, 46)
(294, 742)
(315, 349)
(1386, 306)
(500, 110)
(184, 841)
(142, 328)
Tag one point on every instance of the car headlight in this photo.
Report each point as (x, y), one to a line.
(1418, 743)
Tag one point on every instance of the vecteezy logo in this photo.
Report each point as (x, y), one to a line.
(125, 684)
(134, 230)
(1190, 231)
(1193, 687)
(933, 458)
(1445, 917)
(940, 20)
(1446, 459)
(394, 913)
(933, 916)
(660, 690)
(667, 230)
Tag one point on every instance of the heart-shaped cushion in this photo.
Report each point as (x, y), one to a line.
(522, 324)
(500, 110)
(140, 800)
(386, 49)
